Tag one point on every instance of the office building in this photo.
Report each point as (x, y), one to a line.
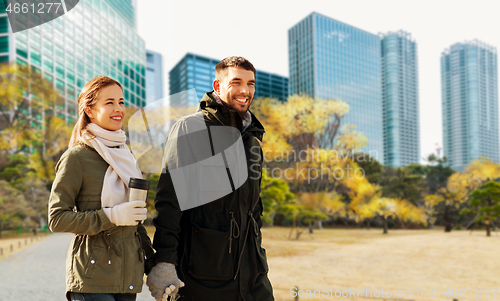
(329, 59)
(469, 87)
(198, 72)
(400, 102)
(154, 76)
(96, 37)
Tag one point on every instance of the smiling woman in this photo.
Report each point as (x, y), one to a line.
(89, 199)
(109, 110)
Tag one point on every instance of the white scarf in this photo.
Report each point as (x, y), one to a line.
(122, 164)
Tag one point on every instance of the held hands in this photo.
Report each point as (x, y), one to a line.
(127, 214)
(163, 281)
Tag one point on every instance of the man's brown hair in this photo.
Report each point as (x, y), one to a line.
(233, 61)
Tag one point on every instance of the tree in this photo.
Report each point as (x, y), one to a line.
(399, 183)
(13, 207)
(368, 201)
(305, 141)
(485, 202)
(460, 185)
(274, 194)
(30, 119)
(437, 173)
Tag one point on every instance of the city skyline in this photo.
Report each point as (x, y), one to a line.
(330, 59)
(261, 35)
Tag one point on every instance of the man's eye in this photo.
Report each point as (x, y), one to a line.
(122, 102)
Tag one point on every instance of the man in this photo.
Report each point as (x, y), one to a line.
(215, 248)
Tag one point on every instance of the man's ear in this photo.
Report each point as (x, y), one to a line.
(216, 86)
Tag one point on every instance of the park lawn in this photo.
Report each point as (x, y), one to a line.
(410, 261)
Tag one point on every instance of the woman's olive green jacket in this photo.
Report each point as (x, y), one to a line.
(102, 257)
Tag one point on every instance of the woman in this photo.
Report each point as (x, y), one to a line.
(111, 250)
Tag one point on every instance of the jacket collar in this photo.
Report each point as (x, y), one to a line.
(227, 116)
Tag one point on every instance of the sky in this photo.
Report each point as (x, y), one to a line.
(258, 31)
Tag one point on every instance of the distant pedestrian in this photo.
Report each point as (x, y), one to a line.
(111, 249)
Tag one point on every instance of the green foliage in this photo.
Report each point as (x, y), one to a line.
(399, 183)
(275, 194)
(484, 201)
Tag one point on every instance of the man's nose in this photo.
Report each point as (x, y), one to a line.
(245, 89)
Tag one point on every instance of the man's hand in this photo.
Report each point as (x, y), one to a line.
(163, 281)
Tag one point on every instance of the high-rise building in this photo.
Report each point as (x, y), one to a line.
(469, 87)
(400, 99)
(96, 37)
(154, 76)
(198, 72)
(329, 59)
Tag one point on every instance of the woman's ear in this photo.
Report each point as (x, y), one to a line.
(88, 112)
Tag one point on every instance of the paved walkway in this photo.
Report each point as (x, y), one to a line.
(38, 272)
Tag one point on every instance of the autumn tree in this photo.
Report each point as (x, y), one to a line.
(367, 202)
(13, 207)
(449, 200)
(485, 203)
(305, 142)
(30, 119)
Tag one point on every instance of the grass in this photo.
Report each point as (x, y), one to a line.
(406, 260)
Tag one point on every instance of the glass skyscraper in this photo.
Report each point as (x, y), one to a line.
(329, 59)
(198, 72)
(154, 76)
(469, 86)
(400, 99)
(96, 37)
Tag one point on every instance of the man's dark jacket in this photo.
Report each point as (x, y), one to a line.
(216, 247)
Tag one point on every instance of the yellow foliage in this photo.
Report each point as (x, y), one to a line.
(300, 120)
(328, 202)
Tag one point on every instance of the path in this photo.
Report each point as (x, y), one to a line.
(38, 272)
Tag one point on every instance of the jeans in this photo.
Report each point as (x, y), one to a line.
(101, 297)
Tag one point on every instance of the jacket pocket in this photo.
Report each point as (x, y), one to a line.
(94, 259)
(209, 255)
(262, 266)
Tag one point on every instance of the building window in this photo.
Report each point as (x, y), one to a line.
(48, 64)
(4, 44)
(4, 24)
(36, 57)
(59, 70)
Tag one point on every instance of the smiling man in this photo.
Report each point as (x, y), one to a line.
(213, 251)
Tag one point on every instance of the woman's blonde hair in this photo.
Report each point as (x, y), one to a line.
(87, 99)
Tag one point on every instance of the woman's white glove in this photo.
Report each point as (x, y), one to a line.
(127, 214)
